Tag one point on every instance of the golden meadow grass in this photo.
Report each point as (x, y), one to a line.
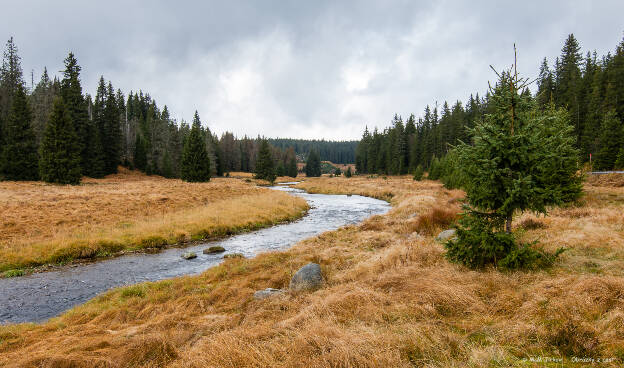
(50, 224)
(391, 300)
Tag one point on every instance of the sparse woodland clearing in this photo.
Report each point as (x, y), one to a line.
(390, 299)
(44, 223)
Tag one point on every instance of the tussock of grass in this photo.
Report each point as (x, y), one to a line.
(433, 220)
(390, 300)
(58, 224)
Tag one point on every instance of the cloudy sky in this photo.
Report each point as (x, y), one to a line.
(304, 69)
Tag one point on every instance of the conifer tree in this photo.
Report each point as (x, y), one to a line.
(18, 158)
(111, 141)
(568, 82)
(59, 151)
(348, 173)
(610, 142)
(520, 159)
(264, 166)
(292, 167)
(195, 160)
(313, 165)
(11, 77)
(71, 91)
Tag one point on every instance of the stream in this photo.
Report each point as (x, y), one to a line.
(39, 296)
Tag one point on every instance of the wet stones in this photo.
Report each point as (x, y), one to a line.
(214, 249)
(234, 255)
(189, 255)
(309, 277)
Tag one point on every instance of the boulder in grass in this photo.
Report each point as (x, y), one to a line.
(309, 277)
(214, 249)
(189, 255)
(267, 293)
(446, 235)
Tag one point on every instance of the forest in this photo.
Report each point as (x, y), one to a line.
(55, 132)
(589, 87)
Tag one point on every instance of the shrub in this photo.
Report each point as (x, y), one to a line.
(418, 173)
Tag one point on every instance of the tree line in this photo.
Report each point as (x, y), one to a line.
(338, 152)
(591, 89)
(55, 132)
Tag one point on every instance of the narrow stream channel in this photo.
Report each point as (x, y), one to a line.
(37, 297)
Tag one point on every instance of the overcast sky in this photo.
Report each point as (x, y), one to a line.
(303, 69)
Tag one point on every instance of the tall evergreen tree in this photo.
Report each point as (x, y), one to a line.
(71, 91)
(18, 157)
(568, 83)
(59, 151)
(195, 161)
(111, 141)
(264, 166)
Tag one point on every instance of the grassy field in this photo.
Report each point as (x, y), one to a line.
(44, 223)
(390, 299)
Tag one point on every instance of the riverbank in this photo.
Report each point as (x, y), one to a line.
(128, 212)
(390, 299)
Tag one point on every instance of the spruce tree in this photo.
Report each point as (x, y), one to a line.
(195, 160)
(71, 91)
(59, 151)
(520, 159)
(610, 142)
(111, 139)
(264, 166)
(292, 167)
(18, 158)
(348, 173)
(313, 165)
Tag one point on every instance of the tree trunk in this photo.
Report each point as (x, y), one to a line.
(508, 224)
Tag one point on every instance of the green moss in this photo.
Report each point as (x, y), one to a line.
(13, 273)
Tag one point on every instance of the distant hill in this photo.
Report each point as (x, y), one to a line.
(340, 152)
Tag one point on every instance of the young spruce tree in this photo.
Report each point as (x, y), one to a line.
(264, 166)
(19, 154)
(313, 165)
(59, 151)
(195, 160)
(292, 167)
(521, 159)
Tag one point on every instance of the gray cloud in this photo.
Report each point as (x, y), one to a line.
(306, 69)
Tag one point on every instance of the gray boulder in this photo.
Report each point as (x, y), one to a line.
(189, 255)
(214, 249)
(267, 293)
(446, 235)
(234, 255)
(309, 277)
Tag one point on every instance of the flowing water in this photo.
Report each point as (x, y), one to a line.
(39, 296)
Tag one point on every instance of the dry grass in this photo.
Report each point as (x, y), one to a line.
(50, 224)
(391, 300)
(608, 180)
